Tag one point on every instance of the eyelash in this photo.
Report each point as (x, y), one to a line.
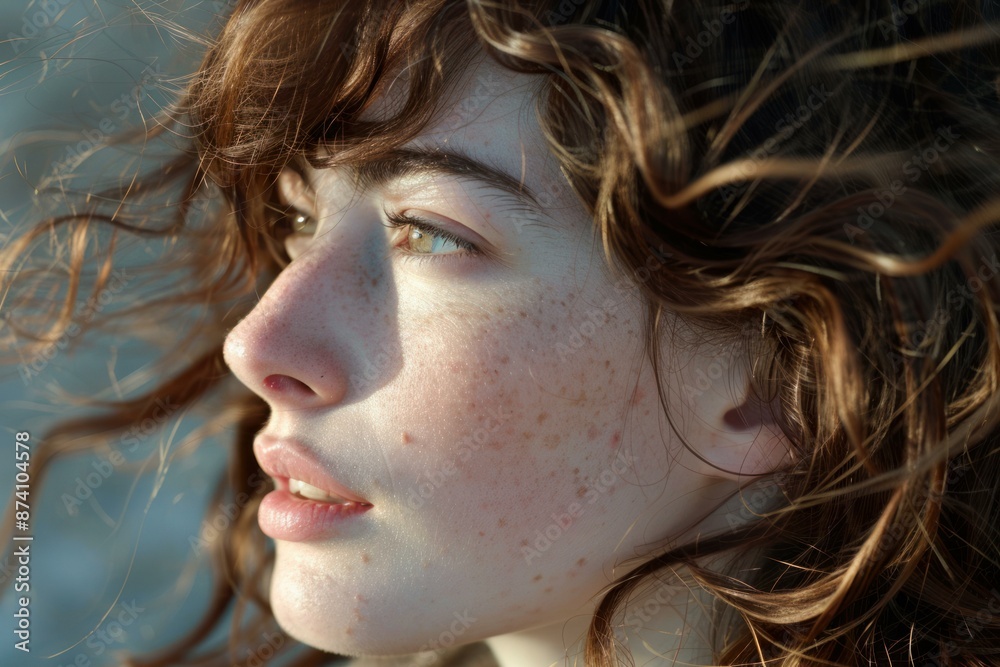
(400, 221)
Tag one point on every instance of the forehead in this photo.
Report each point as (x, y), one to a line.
(490, 115)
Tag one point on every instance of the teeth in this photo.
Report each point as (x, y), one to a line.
(309, 491)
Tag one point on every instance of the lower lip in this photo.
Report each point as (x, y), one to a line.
(285, 516)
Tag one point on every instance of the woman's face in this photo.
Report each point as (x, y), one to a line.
(494, 408)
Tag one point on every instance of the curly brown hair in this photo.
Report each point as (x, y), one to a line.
(824, 177)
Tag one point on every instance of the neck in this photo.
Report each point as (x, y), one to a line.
(665, 621)
(665, 625)
(549, 646)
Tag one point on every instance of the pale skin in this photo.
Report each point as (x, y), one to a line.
(391, 363)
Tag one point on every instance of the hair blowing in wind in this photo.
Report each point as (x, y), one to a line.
(819, 181)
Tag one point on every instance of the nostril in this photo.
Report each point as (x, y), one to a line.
(742, 418)
(283, 383)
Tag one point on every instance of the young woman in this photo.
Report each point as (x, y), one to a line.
(583, 333)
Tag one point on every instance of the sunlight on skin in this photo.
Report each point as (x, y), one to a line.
(383, 365)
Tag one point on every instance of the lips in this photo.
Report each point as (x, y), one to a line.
(307, 503)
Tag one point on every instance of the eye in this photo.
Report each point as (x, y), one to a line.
(295, 230)
(300, 223)
(425, 240)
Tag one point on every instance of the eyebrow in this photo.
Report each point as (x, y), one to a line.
(401, 162)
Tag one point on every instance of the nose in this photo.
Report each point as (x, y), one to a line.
(296, 348)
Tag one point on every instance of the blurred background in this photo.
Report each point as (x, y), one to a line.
(117, 561)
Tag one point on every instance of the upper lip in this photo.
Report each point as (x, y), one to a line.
(288, 458)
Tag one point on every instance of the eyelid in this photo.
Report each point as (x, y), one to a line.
(394, 220)
(302, 200)
(406, 219)
(296, 242)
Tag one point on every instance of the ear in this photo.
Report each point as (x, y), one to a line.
(733, 431)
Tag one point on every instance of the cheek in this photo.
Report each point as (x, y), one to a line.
(520, 418)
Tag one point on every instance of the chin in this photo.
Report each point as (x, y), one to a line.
(327, 613)
(340, 604)
(309, 607)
